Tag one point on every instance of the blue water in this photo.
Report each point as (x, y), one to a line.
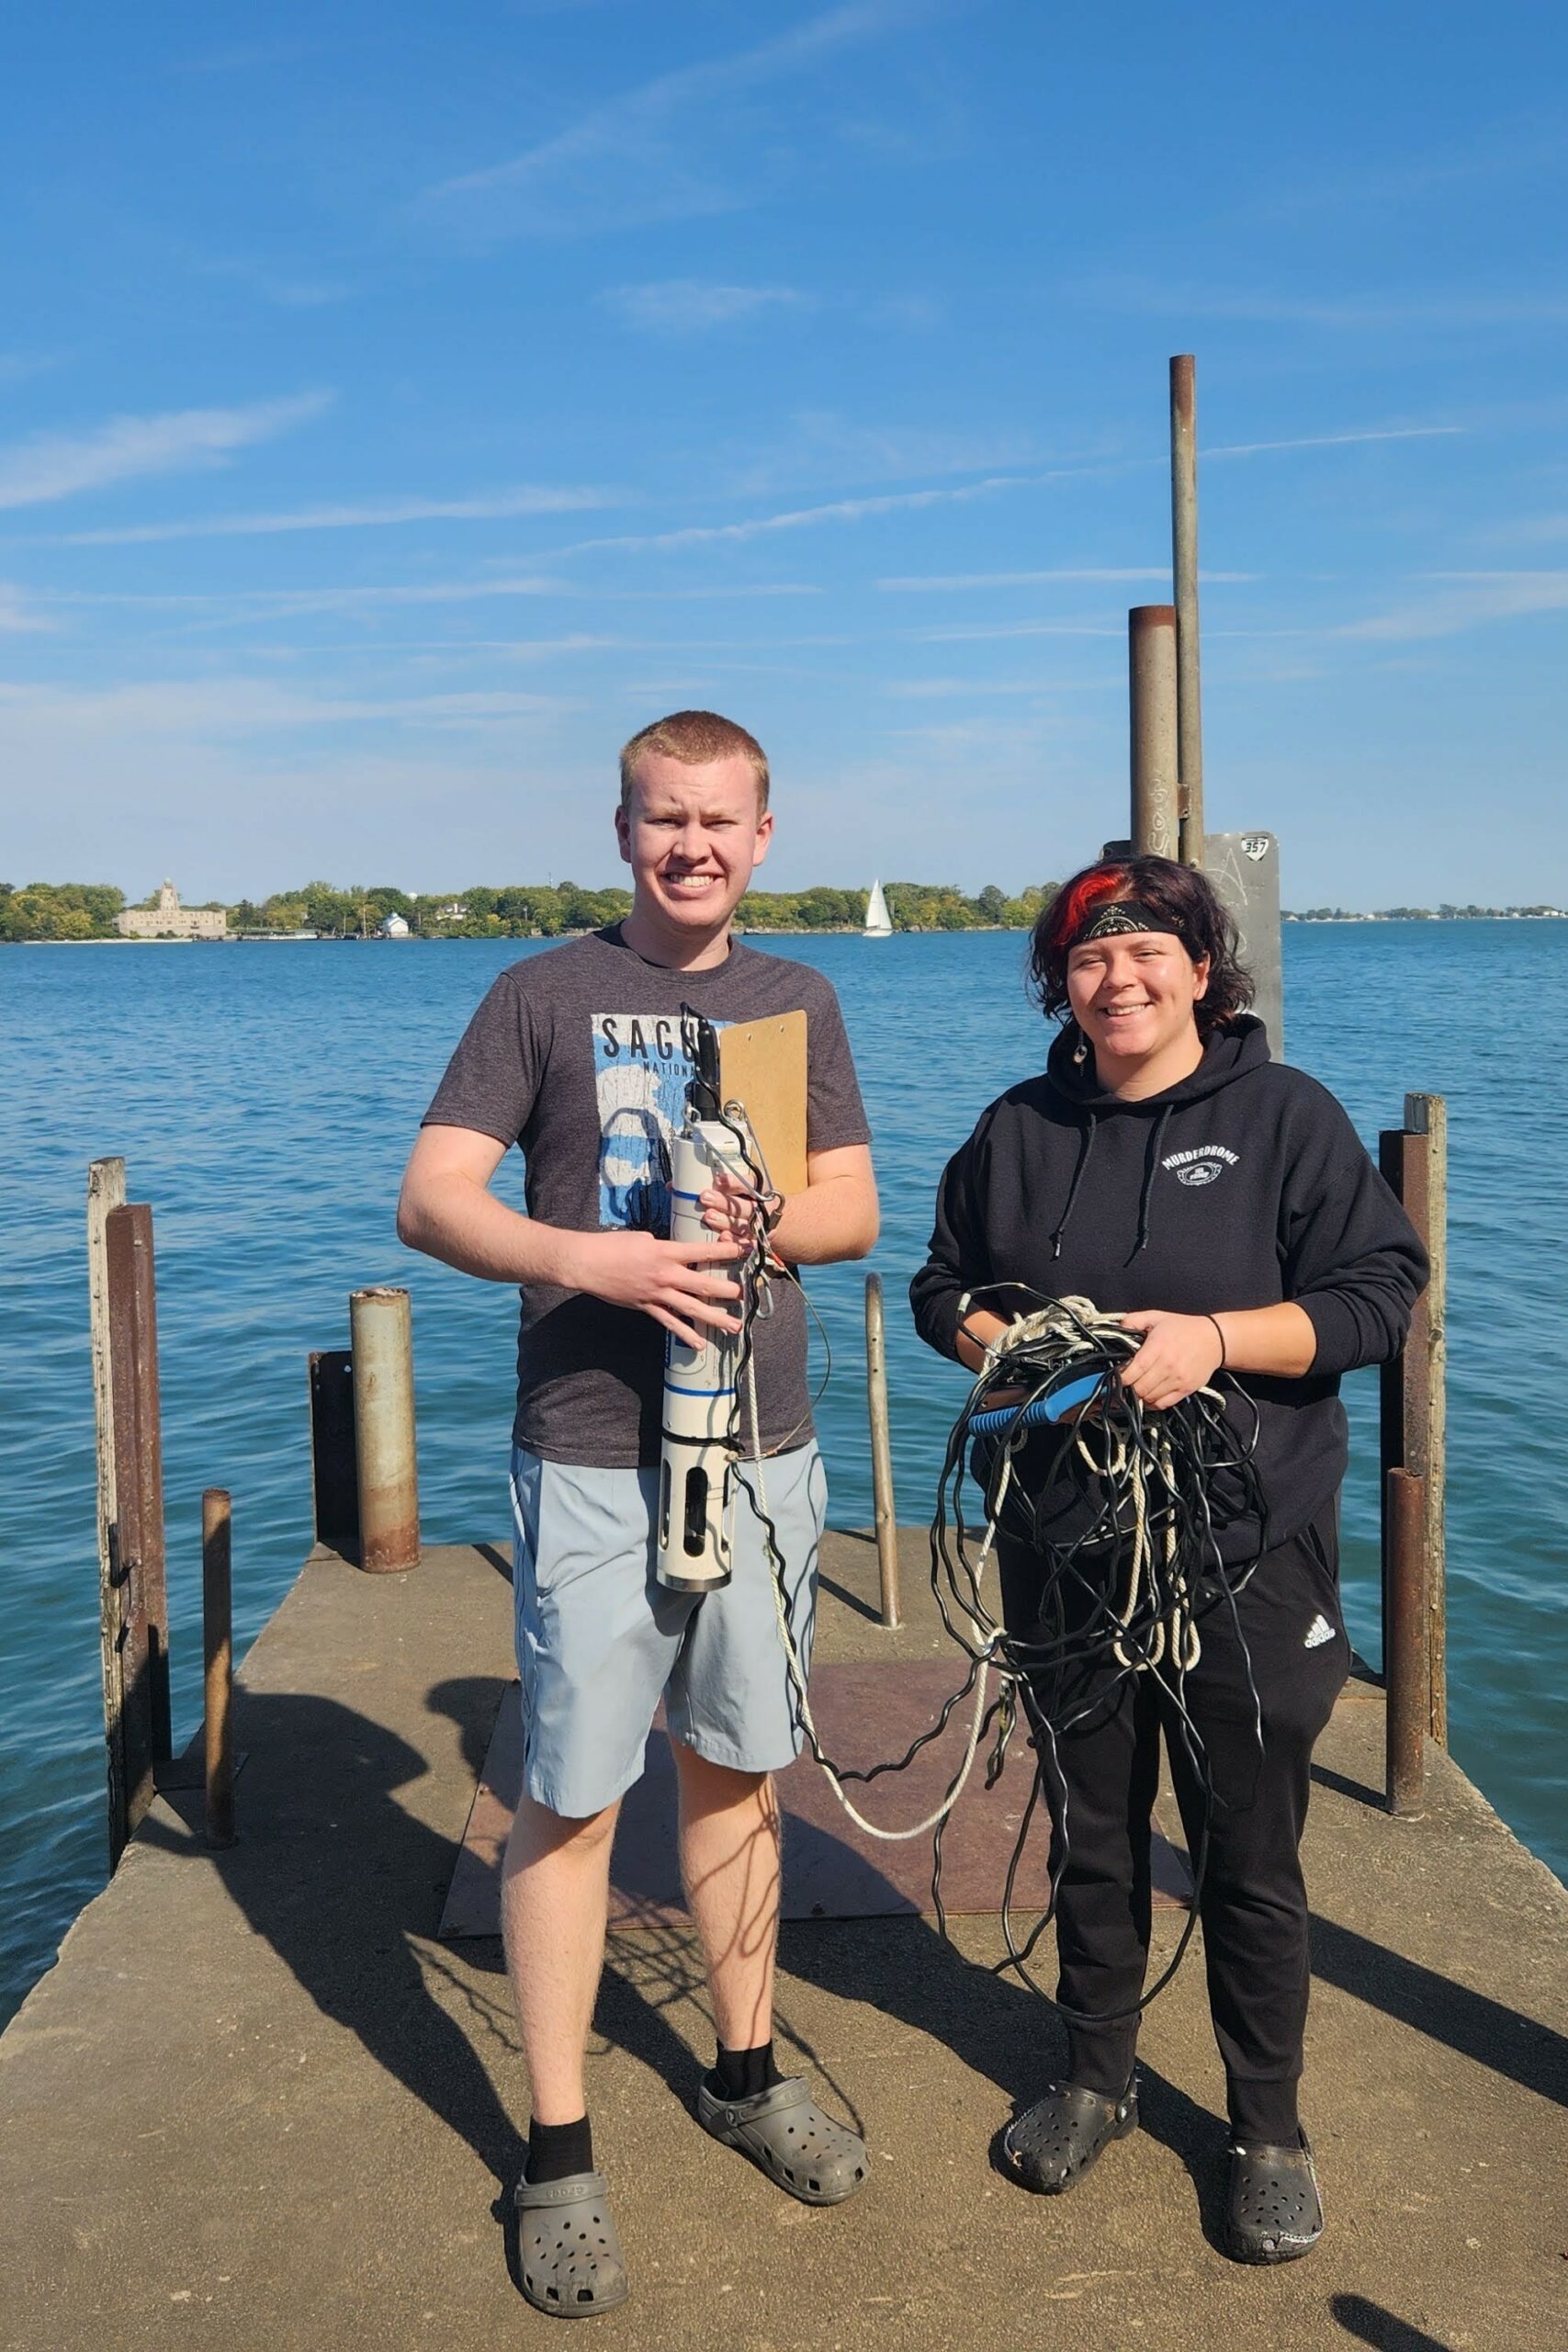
(265, 1098)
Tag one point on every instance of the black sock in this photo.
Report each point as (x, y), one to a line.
(557, 2149)
(741, 2073)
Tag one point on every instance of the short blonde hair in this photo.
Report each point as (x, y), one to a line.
(695, 738)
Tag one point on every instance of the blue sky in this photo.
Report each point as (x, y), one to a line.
(399, 406)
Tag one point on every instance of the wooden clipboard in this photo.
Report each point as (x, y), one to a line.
(761, 1065)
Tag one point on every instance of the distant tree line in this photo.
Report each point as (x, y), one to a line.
(556, 909)
(551, 910)
(911, 906)
(525, 910)
(1445, 914)
(59, 911)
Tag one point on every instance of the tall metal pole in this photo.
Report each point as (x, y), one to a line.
(1427, 1114)
(218, 1656)
(1152, 702)
(881, 1449)
(1184, 564)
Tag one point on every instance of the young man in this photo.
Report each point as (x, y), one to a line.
(580, 1057)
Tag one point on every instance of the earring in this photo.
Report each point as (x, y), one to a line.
(1080, 1051)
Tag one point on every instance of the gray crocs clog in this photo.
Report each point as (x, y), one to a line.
(785, 2133)
(569, 2253)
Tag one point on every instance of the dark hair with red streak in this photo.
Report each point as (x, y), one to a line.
(1180, 895)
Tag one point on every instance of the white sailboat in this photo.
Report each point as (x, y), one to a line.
(878, 922)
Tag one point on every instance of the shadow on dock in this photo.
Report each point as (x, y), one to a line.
(346, 1931)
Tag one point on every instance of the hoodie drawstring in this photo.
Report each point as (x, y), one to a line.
(1151, 1164)
(1086, 1146)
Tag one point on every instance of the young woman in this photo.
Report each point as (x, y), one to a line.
(1163, 1166)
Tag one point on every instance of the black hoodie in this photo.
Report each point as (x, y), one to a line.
(1244, 1185)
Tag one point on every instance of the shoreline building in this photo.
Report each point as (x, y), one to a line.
(169, 920)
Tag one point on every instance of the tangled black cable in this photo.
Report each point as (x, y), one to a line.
(1126, 1584)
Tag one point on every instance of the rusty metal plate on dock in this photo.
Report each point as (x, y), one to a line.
(832, 1870)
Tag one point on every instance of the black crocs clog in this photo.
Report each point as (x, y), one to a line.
(1052, 2145)
(1273, 2207)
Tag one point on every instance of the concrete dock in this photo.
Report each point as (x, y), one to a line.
(258, 2102)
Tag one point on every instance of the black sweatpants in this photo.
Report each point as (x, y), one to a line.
(1253, 1900)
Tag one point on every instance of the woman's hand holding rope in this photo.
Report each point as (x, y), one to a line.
(1179, 1355)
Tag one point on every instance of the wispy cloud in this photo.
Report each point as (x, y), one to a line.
(1541, 528)
(285, 289)
(17, 616)
(692, 306)
(857, 510)
(1106, 573)
(59, 465)
(251, 57)
(1525, 148)
(800, 518)
(369, 515)
(624, 160)
(199, 611)
(1334, 440)
(982, 689)
(16, 367)
(981, 636)
(922, 314)
(1459, 307)
(823, 449)
(243, 706)
(1464, 600)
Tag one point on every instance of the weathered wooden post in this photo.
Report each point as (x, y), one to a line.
(106, 1192)
(218, 1661)
(1405, 1645)
(1413, 1435)
(1184, 565)
(137, 1543)
(381, 1343)
(1152, 699)
(881, 1449)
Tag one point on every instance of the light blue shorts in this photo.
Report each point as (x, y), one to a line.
(600, 1641)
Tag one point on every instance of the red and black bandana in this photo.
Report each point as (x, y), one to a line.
(1114, 917)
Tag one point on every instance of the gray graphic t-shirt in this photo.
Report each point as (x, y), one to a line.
(580, 1056)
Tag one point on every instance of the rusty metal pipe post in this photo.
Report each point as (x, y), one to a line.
(381, 1342)
(106, 1192)
(1404, 1646)
(881, 1449)
(218, 1655)
(139, 1499)
(1184, 565)
(1152, 706)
